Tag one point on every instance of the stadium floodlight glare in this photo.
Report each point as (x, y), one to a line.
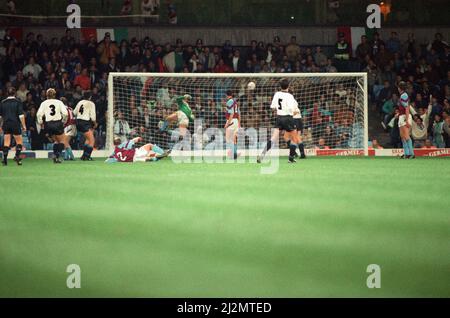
(333, 105)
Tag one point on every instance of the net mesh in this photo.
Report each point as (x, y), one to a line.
(332, 106)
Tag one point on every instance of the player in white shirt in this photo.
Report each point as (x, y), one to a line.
(52, 114)
(286, 107)
(298, 122)
(86, 117)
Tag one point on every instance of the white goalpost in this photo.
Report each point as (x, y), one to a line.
(333, 105)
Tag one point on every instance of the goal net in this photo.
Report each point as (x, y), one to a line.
(333, 106)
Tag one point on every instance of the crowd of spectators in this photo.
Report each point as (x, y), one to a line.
(425, 69)
(72, 67)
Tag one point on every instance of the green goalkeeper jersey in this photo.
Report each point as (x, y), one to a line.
(184, 107)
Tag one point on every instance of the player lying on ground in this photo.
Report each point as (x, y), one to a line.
(127, 152)
(54, 113)
(286, 107)
(232, 125)
(183, 116)
(11, 112)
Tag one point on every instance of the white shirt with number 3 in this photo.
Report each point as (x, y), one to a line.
(53, 110)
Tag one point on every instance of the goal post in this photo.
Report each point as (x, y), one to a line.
(334, 106)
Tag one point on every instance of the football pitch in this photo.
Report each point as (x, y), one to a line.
(225, 230)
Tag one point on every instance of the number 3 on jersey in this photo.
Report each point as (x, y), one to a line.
(53, 110)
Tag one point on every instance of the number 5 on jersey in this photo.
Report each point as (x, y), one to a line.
(279, 103)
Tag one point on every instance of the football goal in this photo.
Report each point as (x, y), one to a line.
(333, 106)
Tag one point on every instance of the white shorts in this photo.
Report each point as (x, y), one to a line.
(402, 120)
(70, 131)
(234, 127)
(141, 154)
(182, 119)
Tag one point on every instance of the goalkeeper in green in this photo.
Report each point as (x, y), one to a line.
(183, 116)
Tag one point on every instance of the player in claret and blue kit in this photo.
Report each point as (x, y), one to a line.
(233, 117)
(70, 131)
(404, 122)
(128, 152)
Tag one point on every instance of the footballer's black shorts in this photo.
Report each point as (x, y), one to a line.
(54, 128)
(298, 124)
(285, 123)
(12, 128)
(83, 125)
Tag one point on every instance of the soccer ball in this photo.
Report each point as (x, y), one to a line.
(251, 86)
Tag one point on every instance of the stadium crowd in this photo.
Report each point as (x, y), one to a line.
(72, 67)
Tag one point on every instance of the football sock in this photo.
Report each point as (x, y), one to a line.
(60, 148)
(292, 149)
(5, 153)
(18, 151)
(301, 147)
(85, 151)
(89, 151)
(56, 150)
(234, 151)
(267, 148)
(405, 147)
(157, 150)
(411, 147)
(68, 155)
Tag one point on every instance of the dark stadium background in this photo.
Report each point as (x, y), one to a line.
(314, 23)
(215, 230)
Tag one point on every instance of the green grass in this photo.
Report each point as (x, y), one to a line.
(221, 230)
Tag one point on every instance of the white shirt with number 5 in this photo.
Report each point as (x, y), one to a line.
(284, 103)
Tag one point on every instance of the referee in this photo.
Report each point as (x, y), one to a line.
(11, 111)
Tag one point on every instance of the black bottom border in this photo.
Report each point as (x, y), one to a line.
(226, 307)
